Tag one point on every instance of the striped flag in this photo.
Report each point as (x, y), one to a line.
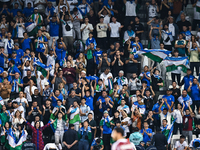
(42, 67)
(13, 143)
(110, 84)
(172, 63)
(170, 128)
(155, 54)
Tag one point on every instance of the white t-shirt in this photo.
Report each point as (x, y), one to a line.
(168, 117)
(86, 31)
(23, 100)
(21, 30)
(172, 29)
(118, 145)
(27, 91)
(115, 29)
(177, 115)
(180, 146)
(65, 32)
(106, 19)
(76, 22)
(152, 11)
(71, 6)
(130, 8)
(21, 109)
(104, 76)
(196, 13)
(40, 6)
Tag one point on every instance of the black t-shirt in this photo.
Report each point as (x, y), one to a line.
(26, 79)
(176, 93)
(131, 67)
(38, 98)
(47, 114)
(117, 66)
(34, 113)
(163, 13)
(155, 81)
(92, 123)
(180, 24)
(69, 137)
(77, 90)
(138, 27)
(152, 124)
(148, 101)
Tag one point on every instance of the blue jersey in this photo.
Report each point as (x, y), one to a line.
(27, 12)
(17, 61)
(195, 92)
(97, 54)
(19, 52)
(144, 77)
(26, 44)
(170, 99)
(54, 28)
(60, 53)
(14, 11)
(89, 101)
(187, 80)
(146, 138)
(103, 99)
(2, 60)
(156, 109)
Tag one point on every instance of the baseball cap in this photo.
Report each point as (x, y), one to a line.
(105, 112)
(36, 8)
(46, 83)
(14, 52)
(83, 71)
(121, 71)
(17, 44)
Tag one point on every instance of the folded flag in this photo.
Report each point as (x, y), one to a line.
(42, 67)
(13, 142)
(172, 63)
(155, 54)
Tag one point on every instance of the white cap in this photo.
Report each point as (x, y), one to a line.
(35, 7)
(121, 71)
(83, 71)
(46, 83)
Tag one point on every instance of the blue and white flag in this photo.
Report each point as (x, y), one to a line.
(155, 54)
(13, 142)
(42, 67)
(172, 63)
(170, 127)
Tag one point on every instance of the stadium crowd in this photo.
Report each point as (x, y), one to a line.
(71, 76)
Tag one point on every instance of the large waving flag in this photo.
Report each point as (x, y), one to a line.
(155, 54)
(13, 143)
(42, 67)
(170, 127)
(172, 63)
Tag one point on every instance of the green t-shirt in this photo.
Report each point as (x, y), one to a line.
(89, 54)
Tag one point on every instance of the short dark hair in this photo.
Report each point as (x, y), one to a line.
(165, 120)
(119, 130)
(182, 137)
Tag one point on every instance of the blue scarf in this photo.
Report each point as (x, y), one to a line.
(9, 47)
(130, 33)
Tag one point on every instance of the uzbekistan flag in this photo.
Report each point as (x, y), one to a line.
(13, 143)
(170, 128)
(172, 63)
(155, 54)
(42, 67)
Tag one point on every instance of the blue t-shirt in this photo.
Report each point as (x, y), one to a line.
(4, 11)
(89, 101)
(106, 129)
(146, 138)
(54, 28)
(187, 80)
(1, 60)
(17, 61)
(19, 52)
(97, 54)
(26, 44)
(14, 11)
(60, 53)
(170, 99)
(54, 101)
(156, 109)
(144, 77)
(40, 46)
(52, 9)
(103, 99)
(195, 92)
(27, 12)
